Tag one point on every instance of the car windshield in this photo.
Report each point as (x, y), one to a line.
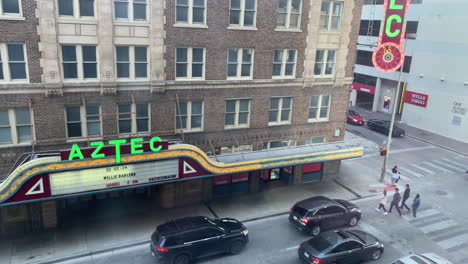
(320, 243)
(352, 113)
(299, 210)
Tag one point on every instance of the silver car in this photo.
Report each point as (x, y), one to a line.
(426, 258)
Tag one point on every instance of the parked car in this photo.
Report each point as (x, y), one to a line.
(182, 240)
(383, 126)
(426, 258)
(321, 213)
(354, 118)
(341, 247)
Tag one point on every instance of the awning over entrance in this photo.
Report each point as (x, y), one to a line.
(53, 178)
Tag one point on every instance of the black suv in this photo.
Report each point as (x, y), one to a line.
(181, 240)
(321, 213)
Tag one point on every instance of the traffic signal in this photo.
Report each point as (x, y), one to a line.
(383, 151)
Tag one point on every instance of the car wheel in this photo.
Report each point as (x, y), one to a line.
(315, 230)
(376, 254)
(353, 221)
(181, 259)
(236, 247)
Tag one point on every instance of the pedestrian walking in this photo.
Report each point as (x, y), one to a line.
(416, 203)
(406, 195)
(383, 202)
(395, 201)
(395, 175)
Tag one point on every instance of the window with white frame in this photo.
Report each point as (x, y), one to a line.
(289, 14)
(10, 8)
(132, 62)
(79, 62)
(242, 13)
(76, 8)
(190, 12)
(240, 62)
(132, 10)
(190, 63)
(314, 140)
(13, 62)
(189, 116)
(281, 143)
(324, 62)
(319, 108)
(133, 118)
(284, 63)
(235, 149)
(330, 15)
(280, 110)
(83, 121)
(15, 126)
(237, 113)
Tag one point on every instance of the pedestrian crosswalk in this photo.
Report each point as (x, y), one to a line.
(445, 232)
(443, 166)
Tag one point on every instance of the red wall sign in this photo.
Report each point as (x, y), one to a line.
(364, 88)
(389, 54)
(416, 98)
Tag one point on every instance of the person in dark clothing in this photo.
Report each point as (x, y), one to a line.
(406, 195)
(395, 201)
(416, 203)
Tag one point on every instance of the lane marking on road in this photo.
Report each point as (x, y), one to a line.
(447, 165)
(438, 226)
(454, 241)
(400, 247)
(455, 163)
(436, 167)
(292, 248)
(410, 172)
(422, 214)
(422, 169)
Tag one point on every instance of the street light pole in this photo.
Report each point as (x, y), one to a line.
(392, 122)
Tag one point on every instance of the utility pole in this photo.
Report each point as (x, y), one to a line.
(392, 122)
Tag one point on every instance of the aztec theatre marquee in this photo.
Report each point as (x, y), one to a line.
(176, 174)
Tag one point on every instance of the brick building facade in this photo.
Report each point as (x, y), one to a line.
(48, 93)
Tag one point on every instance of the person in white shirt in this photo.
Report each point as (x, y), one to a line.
(383, 202)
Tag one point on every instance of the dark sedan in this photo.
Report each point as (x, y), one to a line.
(383, 126)
(321, 213)
(340, 247)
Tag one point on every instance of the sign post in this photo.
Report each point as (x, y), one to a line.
(390, 55)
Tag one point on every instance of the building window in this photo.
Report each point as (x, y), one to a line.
(240, 63)
(235, 149)
(280, 111)
(242, 13)
(132, 62)
(237, 113)
(289, 14)
(284, 63)
(319, 109)
(76, 8)
(133, 118)
(330, 15)
(190, 11)
(314, 140)
(324, 62)
(189, 116)
(79, 62)
(83, 121)
(190, 63)
(10, 8)
(411, 29)
(12, 62)
(133, 10)
(15, 126)
(369, 28)
(281, 143)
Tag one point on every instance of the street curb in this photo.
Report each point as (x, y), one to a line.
(438, 145)
(347, 188)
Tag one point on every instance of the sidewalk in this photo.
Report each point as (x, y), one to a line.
(128, 224)
(417, 133)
